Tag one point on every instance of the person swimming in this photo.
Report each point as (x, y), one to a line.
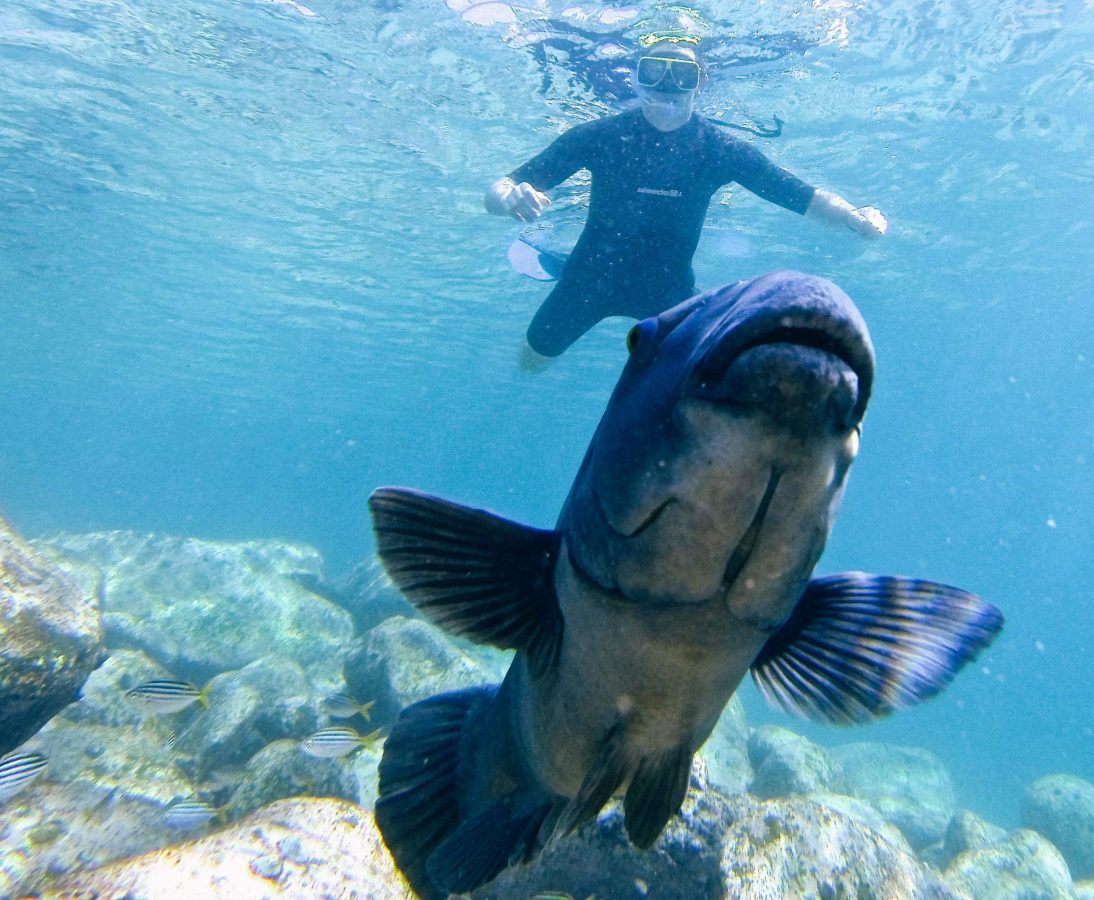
(654, 171)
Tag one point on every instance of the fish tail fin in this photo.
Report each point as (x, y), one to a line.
(859, 646)
(203, 695)
(505, 834)
(418, 810)
(418, 807)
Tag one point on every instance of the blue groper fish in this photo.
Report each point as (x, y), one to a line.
(682, 559)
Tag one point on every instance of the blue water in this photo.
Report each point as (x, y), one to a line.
(247, 278)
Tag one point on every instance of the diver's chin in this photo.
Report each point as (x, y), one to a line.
(668, 113)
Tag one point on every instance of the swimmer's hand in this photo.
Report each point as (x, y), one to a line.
(521, 201)
(865, 221)
(868, 221)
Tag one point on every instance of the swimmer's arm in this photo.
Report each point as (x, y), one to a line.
(866, 221)
(521, 201)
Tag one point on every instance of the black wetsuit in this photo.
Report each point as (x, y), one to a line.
(650, 193)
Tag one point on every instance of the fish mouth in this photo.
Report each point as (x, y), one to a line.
(796, 360)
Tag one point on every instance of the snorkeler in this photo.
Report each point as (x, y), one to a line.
(654, 171)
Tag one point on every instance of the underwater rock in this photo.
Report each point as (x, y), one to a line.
(282, 769)
(725, 754)
(794, 847)
(366, 592)
(909, 786)
(1023, 865)
(786, 763)
(967, 831)
(51, 638)
(402, 660)
(1061, 807)
(303, 847)
(599, 860)
(863, 813)
(722, 847)
(103, 700)
(1084, 890)
(102, 799)
(263, 702)
(204, 607)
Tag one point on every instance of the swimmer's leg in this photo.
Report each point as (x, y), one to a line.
(565, 316)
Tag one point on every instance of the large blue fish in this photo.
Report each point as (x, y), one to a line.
(681, 560)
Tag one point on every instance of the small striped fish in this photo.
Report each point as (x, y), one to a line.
(167, 695)
(332, 742)
(187, 814)
(18, 770)
(342, 706)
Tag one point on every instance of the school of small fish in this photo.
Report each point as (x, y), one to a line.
(163, 696)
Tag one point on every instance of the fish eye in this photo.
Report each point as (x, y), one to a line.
(640, 334)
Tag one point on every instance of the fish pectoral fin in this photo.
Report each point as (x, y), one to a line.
(603, 779)
(504, 834)
(859, 646)
(473, 573)
(418, 805)
(655, 794)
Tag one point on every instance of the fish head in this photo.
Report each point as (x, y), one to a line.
(722, 455)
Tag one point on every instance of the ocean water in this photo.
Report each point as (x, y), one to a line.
(246, 278)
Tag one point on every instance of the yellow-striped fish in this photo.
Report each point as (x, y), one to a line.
(167, 695)
(17, 770)
(333, 742)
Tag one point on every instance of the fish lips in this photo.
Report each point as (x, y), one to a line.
(798, 365)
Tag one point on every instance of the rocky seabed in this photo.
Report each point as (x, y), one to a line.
(770, 814)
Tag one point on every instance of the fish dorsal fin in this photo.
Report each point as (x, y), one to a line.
(473, 573)
(655, 794)
(858, 646)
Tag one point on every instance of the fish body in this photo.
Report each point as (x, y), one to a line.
(186, 815)
(17, 770)
(682, 559)
(329, 743)
(167, 695)
(342, 706)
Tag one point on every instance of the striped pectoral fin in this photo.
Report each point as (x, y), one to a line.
(473, 573)
(858, 646)
(655, 794)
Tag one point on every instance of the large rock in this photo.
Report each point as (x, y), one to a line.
(725, 753)
(786, 763)
(721, 847)
(51, 639)
(909, 786)
(204, 607)
(1061, 807)
(402, 660)
(266, 701)
(794, 847)
(281, 769)
(303, 847)
(365, 591)
(102, 799)
(966, 831)
(1022, 866)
